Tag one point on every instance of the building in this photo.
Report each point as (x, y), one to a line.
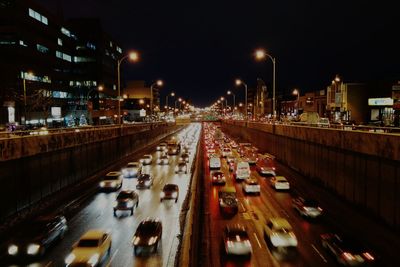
(51, 68)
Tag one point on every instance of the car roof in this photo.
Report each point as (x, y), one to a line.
(280, 178)
(279, 222)
(236, 227)
(134, 163)
(93, 234)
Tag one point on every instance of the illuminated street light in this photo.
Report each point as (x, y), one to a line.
(134, 57)
(234, 96)
(297, 92)
(166, 99)
(260, 54)
(240, 82)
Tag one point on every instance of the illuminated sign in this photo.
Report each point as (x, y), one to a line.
(56, 112)
(380, 101)
(142, 113)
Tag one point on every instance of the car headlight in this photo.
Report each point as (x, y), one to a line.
(33, 249)
(174, 194)
(162, 194)
(102, 184)
(113, 184)
(94, 259)
(141, 160)
(147, 183)
(12, 249)
(181, 159)
(70, 258)
(129, 203)
(136, 240)
(152, 240)
(158, 148)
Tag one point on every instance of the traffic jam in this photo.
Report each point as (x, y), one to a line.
(131, 220)
(259, 216)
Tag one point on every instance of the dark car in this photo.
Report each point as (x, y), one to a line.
(307, 207)
(144, 181)
(147, 235)
(38, 236)
(228, 202)
(170, 191)
(184, 157)
(347, 251)
(218, 177)
(181, 167)
(126, 200)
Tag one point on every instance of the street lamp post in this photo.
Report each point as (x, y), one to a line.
(29, 74)
(133, 56)
(239, 82)
(158, 83)
(261, 54)
(180, 100)
(166, 99)
(234, 96)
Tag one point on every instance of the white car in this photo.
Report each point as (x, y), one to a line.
(146, 159)
(163, 160)
(280, 183)
(236, 240)
(91, 249)
(112, 180)
(133, 169)
(251, 185)
(241, 170)
(215, 162)
(279, 233)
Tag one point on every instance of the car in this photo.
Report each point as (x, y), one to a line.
(251, 185)
(307, 207)
(146, 159)
(226, 152)
(323, 122)
(218, 177)
(144, 181)
(162, 147)
(111, 181)
(279, 233)
(230, 159)
(126, 200)
(184, 157)
(228, 202)
(148, 235)
(280, 183)
(210, 152)
(181, 167)
(265, 167)
(170, 191)
(236, 240)
(163, 160)
(91, 250)
(347, 251)
(214, 162)
(41, 233)
(132, 169)
(241, 170)
(186, 149)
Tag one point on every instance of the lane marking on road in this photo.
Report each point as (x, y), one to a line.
(48, 264)
(258, 241)
(284, 212)
(319, 253)
(242, 206)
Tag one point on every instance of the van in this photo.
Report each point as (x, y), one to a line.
(242, 170)
(215, 162)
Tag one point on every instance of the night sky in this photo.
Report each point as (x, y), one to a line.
(200, 47)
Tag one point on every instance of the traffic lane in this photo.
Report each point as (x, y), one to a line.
(340, 217)
(99, 214)
(260, 255)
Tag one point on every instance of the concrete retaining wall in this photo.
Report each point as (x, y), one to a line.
(361, 167)
(54, 162)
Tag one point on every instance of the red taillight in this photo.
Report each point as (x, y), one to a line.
(368, 256)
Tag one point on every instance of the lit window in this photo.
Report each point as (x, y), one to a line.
(114, 87)
(42, 48)
(22, 43)
(111, 44)
(67, 57)
(90, 46)
(119, 49)
(65, 32)
(59, 54)
(59, 42)
(37, 16)
(83, 59)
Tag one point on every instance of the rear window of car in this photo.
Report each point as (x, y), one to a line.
(88, 243)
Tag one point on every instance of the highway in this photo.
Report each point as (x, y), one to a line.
(254, 210)
(97, 213)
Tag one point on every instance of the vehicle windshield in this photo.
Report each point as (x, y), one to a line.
(237, 232)
(147, 228)
(146, 156)
(143, 177)
(133, 165)
(310, 203)
(124, 195)
(182, 164)
(111, 177)
(170, 187)
(88, 243)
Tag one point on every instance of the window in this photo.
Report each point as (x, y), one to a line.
(90, 46)
(65, 32)
(42, 48)
(59, 42)
(22, 43)
(63, 56)
(111, 44)
(114, 87)
(37, 16)
(84, 59)
(119, 49)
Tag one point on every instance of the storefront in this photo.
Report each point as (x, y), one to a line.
(381, 111)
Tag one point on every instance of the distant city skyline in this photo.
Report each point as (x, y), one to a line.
(199, 50)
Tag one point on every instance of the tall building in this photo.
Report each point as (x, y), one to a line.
(51, 68)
